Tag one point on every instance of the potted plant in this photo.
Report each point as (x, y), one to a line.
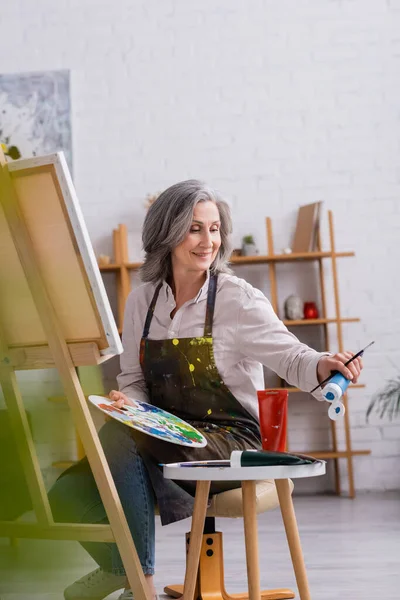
(249, 247)
(11, 151)
(387, 401)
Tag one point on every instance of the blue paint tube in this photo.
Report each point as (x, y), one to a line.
(335, 388)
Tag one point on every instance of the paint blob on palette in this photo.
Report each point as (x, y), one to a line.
(152, 420)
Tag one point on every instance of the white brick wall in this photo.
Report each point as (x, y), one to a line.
(276, 104)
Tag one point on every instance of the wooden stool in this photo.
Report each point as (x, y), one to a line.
(204, 564)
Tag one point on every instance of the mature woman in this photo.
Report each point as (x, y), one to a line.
(195, 338)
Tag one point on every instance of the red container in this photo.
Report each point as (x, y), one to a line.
(272, 406)
(310, 310)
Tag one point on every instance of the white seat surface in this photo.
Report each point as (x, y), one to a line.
(182, 471)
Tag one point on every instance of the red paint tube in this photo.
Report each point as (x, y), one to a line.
(272, 406)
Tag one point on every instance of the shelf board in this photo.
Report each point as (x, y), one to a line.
(118, 266)
(249, 260)
(295, 389)
(325, 454)
(292, 323)
(110, 267)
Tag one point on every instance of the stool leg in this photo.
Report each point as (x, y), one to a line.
(293, 538)
(196, 538)
(251, 539)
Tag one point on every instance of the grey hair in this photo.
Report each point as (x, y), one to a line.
(168, 221)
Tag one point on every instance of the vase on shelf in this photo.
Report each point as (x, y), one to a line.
(249, 247)
(294, 308)
(310, 310)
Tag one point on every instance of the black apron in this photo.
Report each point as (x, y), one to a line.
(182, 378)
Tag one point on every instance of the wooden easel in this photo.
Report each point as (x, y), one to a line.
(53, 349)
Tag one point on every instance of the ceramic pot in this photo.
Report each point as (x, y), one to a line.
(294, 308)
(249, 250)
(310, 310)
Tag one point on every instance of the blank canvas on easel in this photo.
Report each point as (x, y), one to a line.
(64, 255)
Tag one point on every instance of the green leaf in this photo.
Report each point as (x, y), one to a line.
(14, 152)
(248, 239)
(387, 401)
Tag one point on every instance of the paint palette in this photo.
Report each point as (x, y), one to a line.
(153, 421)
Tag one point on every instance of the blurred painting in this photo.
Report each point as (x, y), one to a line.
(35, 114)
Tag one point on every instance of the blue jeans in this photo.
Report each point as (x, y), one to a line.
(74, 498)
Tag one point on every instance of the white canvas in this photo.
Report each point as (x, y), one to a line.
(79, 239)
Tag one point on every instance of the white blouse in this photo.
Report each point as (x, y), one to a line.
(246, 335)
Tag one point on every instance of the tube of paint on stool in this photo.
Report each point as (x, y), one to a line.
(272, 409)
(259, 458)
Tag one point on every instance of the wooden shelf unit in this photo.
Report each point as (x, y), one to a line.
(122, 268)
(319, 256)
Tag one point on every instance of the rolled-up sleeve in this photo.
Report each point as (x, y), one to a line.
(263, 337)
(131, 380)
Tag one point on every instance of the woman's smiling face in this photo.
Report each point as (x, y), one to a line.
(201, 244)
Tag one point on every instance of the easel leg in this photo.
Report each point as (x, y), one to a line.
(293, 538)
(23, 436)
(109, 495)
(26, 447)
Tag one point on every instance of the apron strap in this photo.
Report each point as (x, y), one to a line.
(212, 291)
(150, 312)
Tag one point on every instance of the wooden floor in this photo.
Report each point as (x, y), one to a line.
(351, 547)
